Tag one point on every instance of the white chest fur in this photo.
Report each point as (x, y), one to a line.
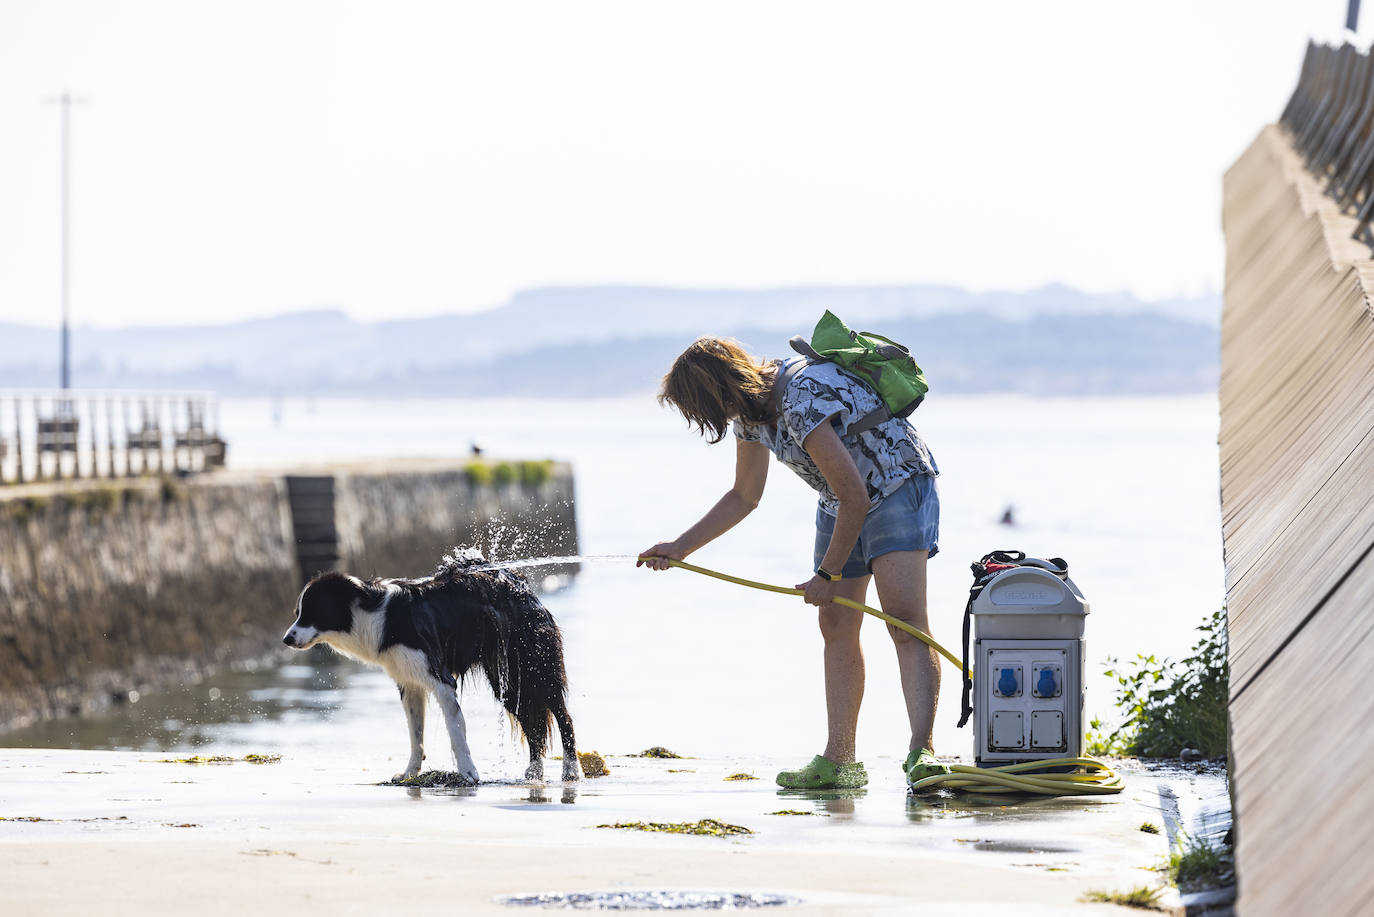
(363, 641)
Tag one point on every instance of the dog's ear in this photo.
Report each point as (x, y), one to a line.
(369, 595)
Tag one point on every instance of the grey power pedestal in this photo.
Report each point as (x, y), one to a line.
(1028, 668)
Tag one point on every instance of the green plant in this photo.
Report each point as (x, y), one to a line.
(25, 508)
(1143, 896)
(1197, 863)
(97, 500)
(532, 474)
(478, 473)
(1169, 706)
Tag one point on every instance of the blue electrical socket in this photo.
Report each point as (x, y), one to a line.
(1008, 685)
(1045, 684)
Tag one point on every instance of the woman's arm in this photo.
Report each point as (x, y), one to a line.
(835, 463)
(751, 473)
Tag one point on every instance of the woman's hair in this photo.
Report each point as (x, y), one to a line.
(715, 381)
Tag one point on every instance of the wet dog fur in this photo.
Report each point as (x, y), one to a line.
(428, 634)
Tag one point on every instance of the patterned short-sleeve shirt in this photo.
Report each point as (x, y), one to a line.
(886, 455)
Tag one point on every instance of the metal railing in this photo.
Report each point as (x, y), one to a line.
(1330, 119)
(56, 434)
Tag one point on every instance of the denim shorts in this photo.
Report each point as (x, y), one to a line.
(908, 519)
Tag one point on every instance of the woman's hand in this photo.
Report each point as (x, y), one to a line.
(818, 589)
(657, 557)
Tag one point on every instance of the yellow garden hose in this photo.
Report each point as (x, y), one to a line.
(783, 590)
(1089, 777)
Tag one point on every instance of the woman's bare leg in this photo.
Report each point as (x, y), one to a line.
(901, 580)
(844, 670)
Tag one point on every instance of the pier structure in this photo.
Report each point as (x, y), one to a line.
(1297, 494)
(52, 434)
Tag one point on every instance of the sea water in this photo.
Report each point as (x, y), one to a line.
(1125, 489)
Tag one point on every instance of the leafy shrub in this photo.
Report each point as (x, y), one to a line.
(1169, 706)
(532, 474)
(1198, 863)
(478, 473)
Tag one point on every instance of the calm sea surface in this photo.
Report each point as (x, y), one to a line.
(1124, 488)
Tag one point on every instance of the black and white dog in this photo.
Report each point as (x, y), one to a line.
(429, 633)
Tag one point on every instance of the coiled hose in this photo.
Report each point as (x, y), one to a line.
(1088, 777)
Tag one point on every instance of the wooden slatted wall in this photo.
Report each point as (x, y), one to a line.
(1297, 494)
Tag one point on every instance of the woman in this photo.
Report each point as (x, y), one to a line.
(878, 518)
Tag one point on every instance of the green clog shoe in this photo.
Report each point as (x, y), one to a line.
(920, 763)
(824, 774)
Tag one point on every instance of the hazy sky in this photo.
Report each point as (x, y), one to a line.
(393, 158)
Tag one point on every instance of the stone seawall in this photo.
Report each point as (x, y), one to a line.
(108, 587)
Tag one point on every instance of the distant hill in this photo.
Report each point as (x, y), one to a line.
(578, 341)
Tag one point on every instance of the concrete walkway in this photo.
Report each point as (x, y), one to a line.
(132, 833)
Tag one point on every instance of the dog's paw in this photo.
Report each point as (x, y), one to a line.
(535, 771)
(406, 775)
(470, 775)
(571, 771)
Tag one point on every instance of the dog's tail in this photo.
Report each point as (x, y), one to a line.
(528, 674)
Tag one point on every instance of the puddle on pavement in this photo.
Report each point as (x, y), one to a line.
(1021, 847)
(950, 806)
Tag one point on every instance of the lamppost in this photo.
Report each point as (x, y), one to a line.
(66, 100)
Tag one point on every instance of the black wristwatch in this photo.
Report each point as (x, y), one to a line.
(833, 577)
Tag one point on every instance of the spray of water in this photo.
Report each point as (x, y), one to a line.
(549, 561)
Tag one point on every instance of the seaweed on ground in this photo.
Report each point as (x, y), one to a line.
(221, 759)
(707, 826)
(789, 812)
(593, 765)
(658, 751)
(429, 779)
(741, 777)
(35, 818)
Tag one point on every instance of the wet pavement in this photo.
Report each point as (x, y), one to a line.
(135, 831)
(124, 819)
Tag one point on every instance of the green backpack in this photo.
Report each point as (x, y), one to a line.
(883, 365)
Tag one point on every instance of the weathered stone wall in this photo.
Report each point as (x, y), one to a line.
(110, 587)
